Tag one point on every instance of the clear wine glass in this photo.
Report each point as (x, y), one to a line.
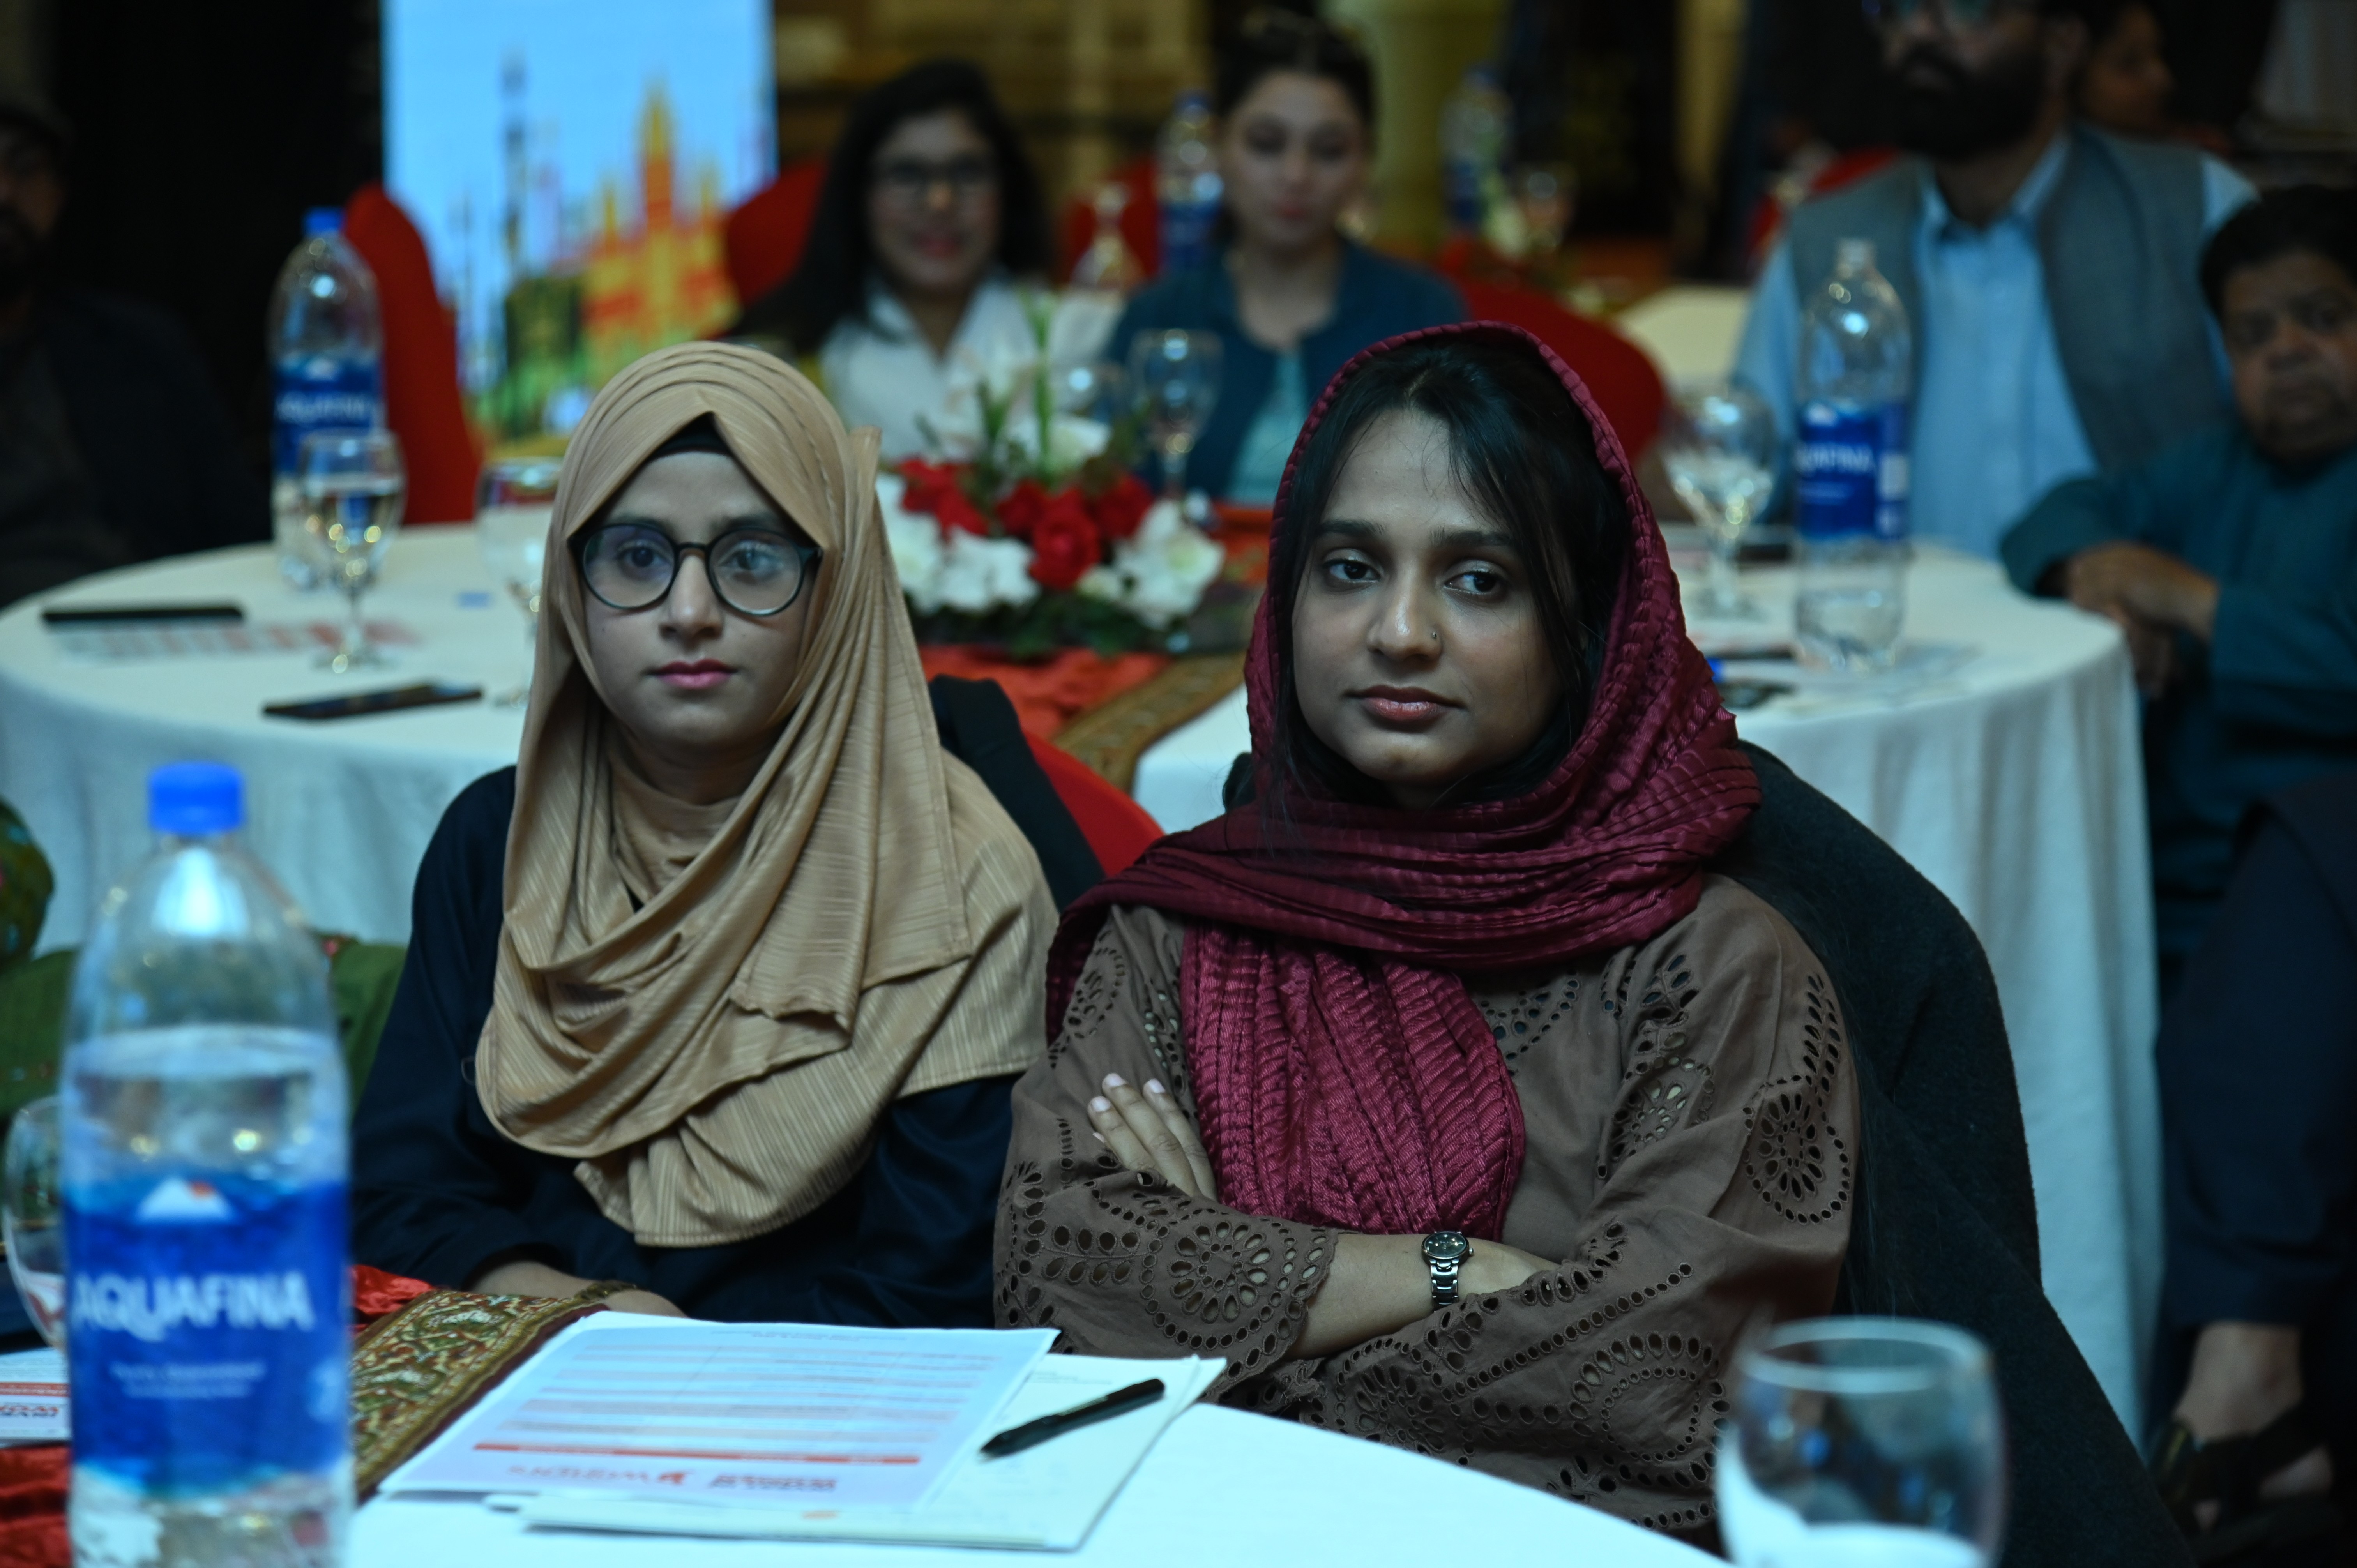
(1545, 193)
(353, 486)
(1719, 446)
(1862, 1441)
(32, 1223)
(1176, 375)
(513, 502)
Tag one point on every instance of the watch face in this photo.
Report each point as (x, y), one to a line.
(1445, 1246)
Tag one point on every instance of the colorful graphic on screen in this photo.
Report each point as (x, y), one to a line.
(570, 162)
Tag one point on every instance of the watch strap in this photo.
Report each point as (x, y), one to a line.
(1445, 1287)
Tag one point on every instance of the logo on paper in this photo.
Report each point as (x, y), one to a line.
(178, 1197)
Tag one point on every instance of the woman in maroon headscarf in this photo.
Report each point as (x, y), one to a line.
(1459, 970)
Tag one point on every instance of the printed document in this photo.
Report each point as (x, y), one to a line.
(32, 1397)
(760, 1415)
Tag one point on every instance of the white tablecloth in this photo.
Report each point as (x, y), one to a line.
(1222, 1486)
(2016, 785)
(340, 812)
(1691, 330)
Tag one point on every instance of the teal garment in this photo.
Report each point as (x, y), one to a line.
(1268, 440)
(2272, 701)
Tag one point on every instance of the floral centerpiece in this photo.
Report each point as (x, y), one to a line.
(1042, 538)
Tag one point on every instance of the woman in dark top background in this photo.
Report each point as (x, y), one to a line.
(720, 992)
(1289, 296)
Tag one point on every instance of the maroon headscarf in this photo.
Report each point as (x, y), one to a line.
(1342, 1074)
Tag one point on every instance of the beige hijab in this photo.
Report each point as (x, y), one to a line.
(863, 922)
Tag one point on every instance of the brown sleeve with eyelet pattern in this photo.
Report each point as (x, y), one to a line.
(1123, 1263)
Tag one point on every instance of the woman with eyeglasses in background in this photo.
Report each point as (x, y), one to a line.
(717, 997)
(909, 289)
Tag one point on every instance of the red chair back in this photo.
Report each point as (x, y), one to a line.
(1141, 221)
(423, 403)
(764, 238)
(1620, 375)
(1116, 827)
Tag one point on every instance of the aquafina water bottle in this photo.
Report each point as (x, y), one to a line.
(1187, 185)
(204, 1165)
(326, 367)
(1850, 467)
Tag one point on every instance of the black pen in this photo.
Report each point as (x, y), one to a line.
(1015, 1439)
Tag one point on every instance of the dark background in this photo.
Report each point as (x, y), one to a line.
(202, 133)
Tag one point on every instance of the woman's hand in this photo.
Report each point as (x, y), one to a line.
(1493, 1266)
(1148, 1131)
(1380, 1284)
(525, 1278)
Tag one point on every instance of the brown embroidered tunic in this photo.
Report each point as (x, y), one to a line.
(1692, 1124)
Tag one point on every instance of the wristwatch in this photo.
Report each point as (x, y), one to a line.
(1444, 1251)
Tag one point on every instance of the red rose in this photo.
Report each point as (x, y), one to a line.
(1020, 511)
(956, 512)
(927, 482)
(1121, 507)
(940, 488)
(1064, 543)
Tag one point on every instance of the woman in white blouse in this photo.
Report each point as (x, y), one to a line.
(910, 289)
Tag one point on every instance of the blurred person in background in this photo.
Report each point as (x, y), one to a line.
(2230, 559)
(114, 448)
(2125, 84)
(1290, 297)
(909, 290)
(2258, 1353)
(2048, 268)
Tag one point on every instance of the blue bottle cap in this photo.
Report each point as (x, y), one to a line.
(323, 221)
(195, 800)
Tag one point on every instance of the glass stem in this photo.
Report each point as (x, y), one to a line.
(1174, 469)
(1726, 582)
(355, 629)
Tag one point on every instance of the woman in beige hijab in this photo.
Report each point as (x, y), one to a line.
(719, 993)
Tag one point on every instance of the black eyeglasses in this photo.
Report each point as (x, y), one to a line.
(754, 571)
(911, 180)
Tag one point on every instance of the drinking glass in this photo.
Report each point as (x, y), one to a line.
(1097, 390)
(1176, 375)
(513, 501)
(1867, 1440)
(1719, 446)
(32, 1223)
(1544, 194)
(353, 487)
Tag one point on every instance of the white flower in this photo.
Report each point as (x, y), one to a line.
(1072, 440)
(915, 540)
(979, 574)
(1159, 573)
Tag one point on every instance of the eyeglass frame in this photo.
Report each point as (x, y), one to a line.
(914, 180)
(813, 555)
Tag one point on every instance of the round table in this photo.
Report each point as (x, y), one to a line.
(2014, 782)
(1221, 1486)
(340, 811)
